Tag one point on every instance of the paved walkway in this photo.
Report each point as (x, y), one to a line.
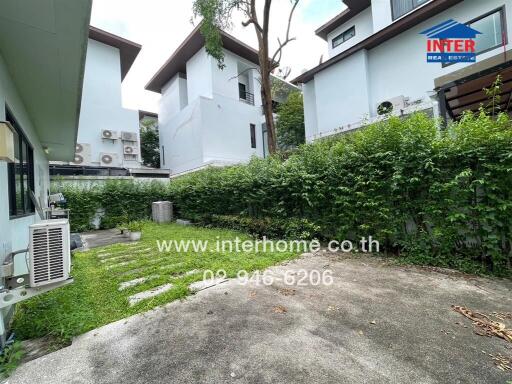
(102, 238)
(376, 324)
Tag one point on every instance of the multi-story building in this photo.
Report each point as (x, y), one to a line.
(378, 62)
(108, 136)
(209, 116)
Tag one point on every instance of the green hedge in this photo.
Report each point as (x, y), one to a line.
(121, 201)
(436, 198)
(442, 199)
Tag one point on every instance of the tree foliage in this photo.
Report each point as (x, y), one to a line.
(149, 144)
(290, 126)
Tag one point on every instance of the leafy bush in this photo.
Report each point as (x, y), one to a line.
(120, 201)
(440, 198)
(291, 228)
(437, 198)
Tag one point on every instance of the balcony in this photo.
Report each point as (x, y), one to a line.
(247, 98)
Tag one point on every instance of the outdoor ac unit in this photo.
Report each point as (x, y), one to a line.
(391, 105)
(108, 159)
(129, 136)
(131, 150)
(49, 252)
(108, 134)
(82, 154)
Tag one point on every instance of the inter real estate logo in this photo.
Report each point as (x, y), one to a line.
(451, 42)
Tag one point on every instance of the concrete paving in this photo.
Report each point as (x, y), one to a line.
(376, 323)
(102, 238)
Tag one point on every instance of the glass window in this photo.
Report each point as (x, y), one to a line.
(402, 7)
(20, 173)
(253, 135)
(347, 35)
(491, 27)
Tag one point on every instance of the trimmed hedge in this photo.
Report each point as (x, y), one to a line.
(120, 201)
(439, 198)
(436, 198)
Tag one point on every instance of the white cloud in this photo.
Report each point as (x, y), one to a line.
(160, 26)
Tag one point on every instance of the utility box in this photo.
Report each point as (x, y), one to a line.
(162, 212)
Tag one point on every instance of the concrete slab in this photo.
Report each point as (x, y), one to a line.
(375, 324)
(133, 283)
(137, 298)
(102, 238)
(204, 284)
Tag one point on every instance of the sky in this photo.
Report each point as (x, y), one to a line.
(160, 26)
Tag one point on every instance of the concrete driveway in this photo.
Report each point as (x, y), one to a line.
(376, 324)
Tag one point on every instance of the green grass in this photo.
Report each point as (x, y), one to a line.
(94, 300)
(10, 359)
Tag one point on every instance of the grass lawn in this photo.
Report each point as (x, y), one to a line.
(94, 299)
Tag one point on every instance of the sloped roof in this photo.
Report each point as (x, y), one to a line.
(177, 63)
(354, 8)
(128, 49)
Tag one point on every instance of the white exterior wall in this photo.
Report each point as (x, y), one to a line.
(199, 76)
(397, 67)
(214, 128)
(14, 233)
(102, 105)
(364, 29)
(382, 14)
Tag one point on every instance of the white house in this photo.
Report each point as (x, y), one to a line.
(108, 136)
(378, 62)
(209, 116)
(42, 56)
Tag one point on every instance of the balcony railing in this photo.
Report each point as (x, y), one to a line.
(247, 97)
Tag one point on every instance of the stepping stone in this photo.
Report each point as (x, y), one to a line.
(132, 271)
(189, 273)
(183, 222)
(171, 266)
(200, 285)
(135, 282)
(109, 267)
(134, 299)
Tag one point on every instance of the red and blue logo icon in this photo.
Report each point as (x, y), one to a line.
(451, 42)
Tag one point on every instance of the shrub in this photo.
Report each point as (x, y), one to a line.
(121, 202)
(442, 198)
(437, 198)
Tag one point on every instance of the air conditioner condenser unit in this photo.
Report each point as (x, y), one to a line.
(49, 252)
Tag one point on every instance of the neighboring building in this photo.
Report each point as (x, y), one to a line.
(42, 56)
(378, 62)
(108, 135)
(209, 116)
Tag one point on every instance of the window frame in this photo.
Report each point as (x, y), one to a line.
(394, 17)
(252, 128)
(28, 205)
(342, 35)
(503, 13)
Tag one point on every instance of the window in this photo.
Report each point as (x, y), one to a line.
(20, 174)
(253, 136)
(492, 27)
(242, 91)
(402, 7)
(347, 35)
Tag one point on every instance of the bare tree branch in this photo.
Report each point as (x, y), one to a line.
(276, 58)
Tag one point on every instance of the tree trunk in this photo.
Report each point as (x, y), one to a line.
(266, 98)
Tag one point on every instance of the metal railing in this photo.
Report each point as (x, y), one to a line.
(247, 97)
